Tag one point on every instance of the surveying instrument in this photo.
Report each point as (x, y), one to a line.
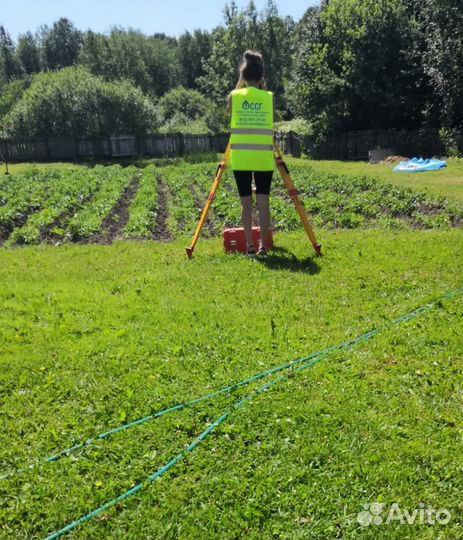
(293, 193)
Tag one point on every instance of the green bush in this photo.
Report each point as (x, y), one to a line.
(297, 125)
(12, 93)
(450, 139)
(73, 103)
(188, 111)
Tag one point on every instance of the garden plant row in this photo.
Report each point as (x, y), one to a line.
(52, 205)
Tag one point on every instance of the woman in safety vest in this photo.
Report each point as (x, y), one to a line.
(252, 112)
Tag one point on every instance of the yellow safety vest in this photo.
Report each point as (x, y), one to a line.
(252, 130)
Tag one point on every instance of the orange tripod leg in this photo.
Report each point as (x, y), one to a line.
(294, 194)
(218, 177)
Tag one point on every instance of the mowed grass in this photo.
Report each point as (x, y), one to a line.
(446, 182)
(95, 336)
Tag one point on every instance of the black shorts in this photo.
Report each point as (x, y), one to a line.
(262, 179)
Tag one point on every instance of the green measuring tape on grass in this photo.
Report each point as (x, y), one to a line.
(226, 390)
(294, 367)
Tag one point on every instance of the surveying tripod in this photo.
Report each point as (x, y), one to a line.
(293, 193)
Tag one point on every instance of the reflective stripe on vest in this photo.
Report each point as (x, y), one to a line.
(253, 146)
(251, 131)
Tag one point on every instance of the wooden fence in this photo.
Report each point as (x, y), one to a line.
(354, 145)
(54, 149)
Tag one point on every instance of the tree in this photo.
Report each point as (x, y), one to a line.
(442, 27)
(162, 65)
(357, 69)
(277, 45)
(148, 62)
(193, 51)
(247, 29)
(116, 57)
(9, 66)
(60, 45)
(74, 103)
(27, 53)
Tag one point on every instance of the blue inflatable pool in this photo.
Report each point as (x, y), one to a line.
(420, 165)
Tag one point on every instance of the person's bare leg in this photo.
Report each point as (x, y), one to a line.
(263, 206)
(246, 218)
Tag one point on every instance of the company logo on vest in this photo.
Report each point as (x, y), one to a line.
(251, 106)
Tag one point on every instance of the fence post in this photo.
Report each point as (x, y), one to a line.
(47, 148)
(291, 146)
(181, 147)
(5, 154)
(76, 149)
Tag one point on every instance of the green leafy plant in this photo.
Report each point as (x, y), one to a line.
(144, 208)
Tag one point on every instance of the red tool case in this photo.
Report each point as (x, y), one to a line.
(234, 240)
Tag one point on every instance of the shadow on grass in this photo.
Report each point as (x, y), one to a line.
(282, 259)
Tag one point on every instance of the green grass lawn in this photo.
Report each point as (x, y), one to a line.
(95, 336)
(446, 182)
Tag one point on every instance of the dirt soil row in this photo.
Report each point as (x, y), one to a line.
(161, 231)
(114, 223)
